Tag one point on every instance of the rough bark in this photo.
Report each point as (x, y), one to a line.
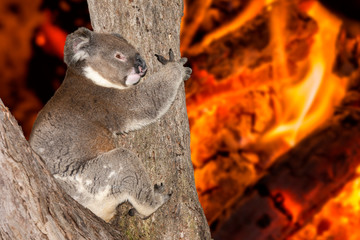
(301, 181)
(154, 27)
(33, 206)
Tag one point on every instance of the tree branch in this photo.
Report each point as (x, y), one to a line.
(33, 206)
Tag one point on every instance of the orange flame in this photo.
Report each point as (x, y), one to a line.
(309, 102)
(342, 214)
(302, 99)
(251, 10)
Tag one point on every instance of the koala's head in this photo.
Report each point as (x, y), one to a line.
(106, 59)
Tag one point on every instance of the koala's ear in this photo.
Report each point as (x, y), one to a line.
(76, 46)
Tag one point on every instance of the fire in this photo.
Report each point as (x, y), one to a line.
(300, 98)
(311, 99)
(284, 201)
(342, 215)
(304, 99)
(293, 99)
(308, 104)
(250, 11)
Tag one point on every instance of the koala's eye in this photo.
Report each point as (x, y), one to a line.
(120, 56)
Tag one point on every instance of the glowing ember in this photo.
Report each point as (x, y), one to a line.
(341, 215)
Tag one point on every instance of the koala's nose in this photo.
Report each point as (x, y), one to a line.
(140, 65)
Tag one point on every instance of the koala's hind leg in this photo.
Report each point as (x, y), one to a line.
(112, 178)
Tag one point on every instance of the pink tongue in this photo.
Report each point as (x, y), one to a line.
(132, 79)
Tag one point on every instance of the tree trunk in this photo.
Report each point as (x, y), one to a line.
(33, 206)
(153, 27)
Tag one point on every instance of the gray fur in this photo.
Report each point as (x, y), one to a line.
(75, 132)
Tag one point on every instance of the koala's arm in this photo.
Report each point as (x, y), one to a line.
(157, 92)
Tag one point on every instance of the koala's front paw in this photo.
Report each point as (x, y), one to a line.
(186, 70)
(163, 198)
(159, 189)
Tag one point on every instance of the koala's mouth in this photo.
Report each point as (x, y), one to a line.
(134, 77)
(140, 65)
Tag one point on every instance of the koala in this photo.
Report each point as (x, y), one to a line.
(102, 96)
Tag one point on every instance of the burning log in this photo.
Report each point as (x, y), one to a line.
(301, 181)
(289, 77)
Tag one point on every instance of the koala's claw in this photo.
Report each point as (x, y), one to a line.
(161, 59)
(159, 188)
(171, 55)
